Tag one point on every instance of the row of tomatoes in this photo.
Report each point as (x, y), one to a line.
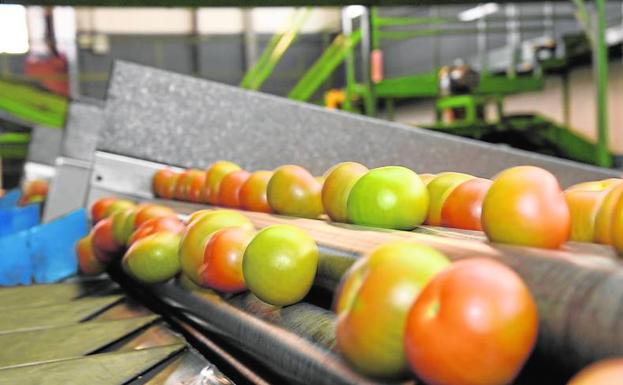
(522, 205)
(404, 306)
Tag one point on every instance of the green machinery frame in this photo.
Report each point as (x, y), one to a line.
(24, 105)
(425, 85)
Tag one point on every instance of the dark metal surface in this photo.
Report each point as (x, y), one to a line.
(169, 118)
(100, 369)
(43, 342)
(52, 315)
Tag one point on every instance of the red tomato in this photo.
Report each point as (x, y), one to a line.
(150, 211)
(463, 207)
(229, 191)
(214, 175)
(189, 185)
(253, 192)
(87, 262)
(104, 244)
(164, 182)
(168, 224)
(222, 263)
(98, 209)
(474, 324)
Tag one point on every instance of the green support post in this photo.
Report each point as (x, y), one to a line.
(274, 51)
(600, 63)
(324, 66)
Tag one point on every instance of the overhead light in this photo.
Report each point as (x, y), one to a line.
(13, 29)
(354, 11)
(479, 12)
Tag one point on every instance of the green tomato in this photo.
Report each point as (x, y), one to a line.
(279, 264)
(391, 197)
(154, 258)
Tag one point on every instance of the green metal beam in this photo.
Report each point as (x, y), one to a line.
(601, 73)
(415, 86)
(14, 145)
(32, 105)
(411, 34)
(318, 73)
(274, 51)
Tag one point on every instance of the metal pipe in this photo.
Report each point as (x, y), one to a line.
(366, 51)
(349, 63)
(600, 65)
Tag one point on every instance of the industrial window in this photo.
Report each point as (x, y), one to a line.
(13, 29)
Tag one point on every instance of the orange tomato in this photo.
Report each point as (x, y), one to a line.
(604, 372)
(525, 206)
(222, 259)
(214, 175)
(462, 209)
(168, 224)
(253, 192)
(163, 183)
(474, 323)
(189, 185)
(104, 245)
(87, 262)
(99, 207)
(149, 211)
(229, 191)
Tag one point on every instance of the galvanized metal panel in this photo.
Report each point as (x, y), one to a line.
(84, 121)
(164, 117)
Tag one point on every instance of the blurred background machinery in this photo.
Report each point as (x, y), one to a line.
(533, 75)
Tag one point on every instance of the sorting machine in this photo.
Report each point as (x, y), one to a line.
(154, 118)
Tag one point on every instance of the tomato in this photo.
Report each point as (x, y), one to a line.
(197, 234)
(150, 211)
(337, 186)
(604, 372)
(279, 265)
(222, 268)
(372, 304)
(188, 186)
(229, 191)
(525, 206)
(163, 183)
(292, 190)
(585, 201)
(87, 262)
(475, 323)
(214, 175)
(99, 207)
(439, 187)
(389, 197)
(462, 208)
(153, 259)
(104, 245)
(253, 192)
(156, 225)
